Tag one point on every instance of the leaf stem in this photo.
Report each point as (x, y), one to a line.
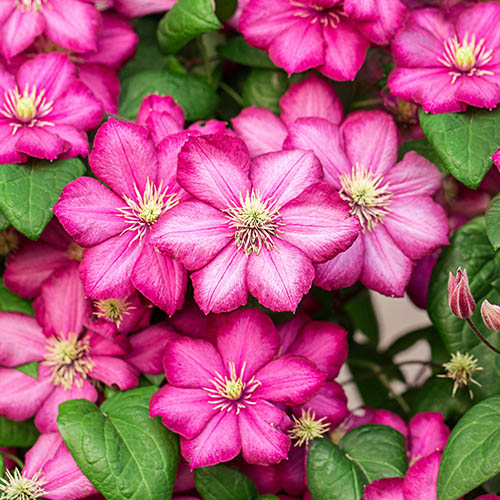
(230, 91)
(12, 457)
(479, 335)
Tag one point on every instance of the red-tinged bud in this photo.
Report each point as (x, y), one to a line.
(490, 315)
(460, 298)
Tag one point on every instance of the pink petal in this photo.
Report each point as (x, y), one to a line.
(292, 472)
(160, 279)
(214, 169)
(191, 363)
(103, 83)
(262, 131)
(184, 411)
(284, 175)
(7, 80)
(421, 479)
(88, 211)
(246, 338)
(428, 433)
(208, 127)
(101, 346)
(19, 30)
(221, 285)
(106, 268)
(40, 143)
(342, 271)
(289, 331)
(361, 9)
(478, 91)
(132, 8)
(78, 140)
(218, 442)
(318, 222)
(325, 140)
(279, 278)
(8, 152)
(41, 452)
(379, 153)
(20, 394)
(73, 24)
(180, 231)
(386, 268)
(386, 417)
(124, 156)
(114, 372)
(289, 379)
(61, 306)
(345, 51)
(385, 489)
(323, 343)
(262, 442)
(191, 321)
(168, 151)
(312, 97)
(19, 330)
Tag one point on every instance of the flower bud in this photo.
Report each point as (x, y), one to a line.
(490, 315)
(460, 298)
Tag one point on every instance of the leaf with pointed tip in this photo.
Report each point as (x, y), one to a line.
(9, 301)
(493, 222)
(221, 482)
(238, 50)
(17, 434)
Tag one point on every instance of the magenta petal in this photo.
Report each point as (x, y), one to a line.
(160, 279)
(9, 152)
(218, 442)
(318, 222)
(19, 30)
(246, 337)
(88, 211)
(386, 417)
(290, 330)
(101, 346)
(181, 230)
(262, 131)
(214, 169)
(221, 285)
(77, 139)
(386, 268)
(312, 97)
(161, 105)
(41, 452)
(21, 340)
(124, 156)
(114, 372)
(279, 278)
(289, 379)
(103, 83)
(284, 175)
(106, 268)
(361, 9)
(191, 363)
(379, 152)
(479, 92)
(41, 143)
(168, 151)
(428, 433)
(262, 442)
(385, 489)
(184, 411)
(421, 478)
(133, 8)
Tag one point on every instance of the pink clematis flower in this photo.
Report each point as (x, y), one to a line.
(69, 356)
(261, 224)
(49, 472)
(45, 111)
(446, 63)
(393, 201)
(140, 8)
(496, 158)
(115, 225)
(331, 36)
(219, 397)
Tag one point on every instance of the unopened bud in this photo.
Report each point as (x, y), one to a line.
(460, 298)
(490, 315)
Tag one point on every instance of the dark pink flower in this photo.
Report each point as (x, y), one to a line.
(496, 158)
(219, 397)
(69, 356)
(115, 225)
(393, 201)
(261, 224)
(45, 111)
(331, 36)
(446, 63)
(72, 24)
(140, 8)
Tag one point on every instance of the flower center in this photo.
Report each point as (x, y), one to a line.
(306, 428)
(460, 369)
(15, 486)
(74, 252)
(69, 360)
(231, 392)
(466, 57)
(367, 196)
(113, 310)
(24, 5)
(26, 109)
(143, 211)
(316, 12)
(255, 222)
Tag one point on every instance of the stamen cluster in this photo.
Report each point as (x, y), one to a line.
(15, 486)
(113, 310)
(307, 427)
(25, 5)
(327, 16)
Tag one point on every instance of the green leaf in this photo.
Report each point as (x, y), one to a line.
(493, 222)
(330, 475)
(4, 223)
(224, 9)
(17, 434)
(378, 450)
(2, 465)
(186, 20)
(29, 191)
(267, 497)
(221, 482)
(30, 369)
(9, 301)
(124, 453)
(363, 316)
(195, 97)
(472, 453)
(470, 248)
(423, 148)
(464, 141)
(264, 89)
(238, 50)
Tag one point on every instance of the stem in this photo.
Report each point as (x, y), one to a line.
(228, 90)
(367, 102)
(206, 61)
(479, 335)
(399, 399)
(15, 459)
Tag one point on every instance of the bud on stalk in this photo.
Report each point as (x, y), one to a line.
(460, 297)
(490, 315)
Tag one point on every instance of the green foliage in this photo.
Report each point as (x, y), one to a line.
(30, 369)
(222, 482)
(423, 148)
(9, 301)
(238, 50)
(264, 89)
(493, 222)
(17, 434)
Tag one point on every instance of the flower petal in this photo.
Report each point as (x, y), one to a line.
(19, 30)
(428, 433)
(386, 417)
(41, 452)
(9, 153)
(103, 83)
(385, 489)
(478, 92)
(131, 8)
(40, 143)
(114, 372)
(421, 478)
